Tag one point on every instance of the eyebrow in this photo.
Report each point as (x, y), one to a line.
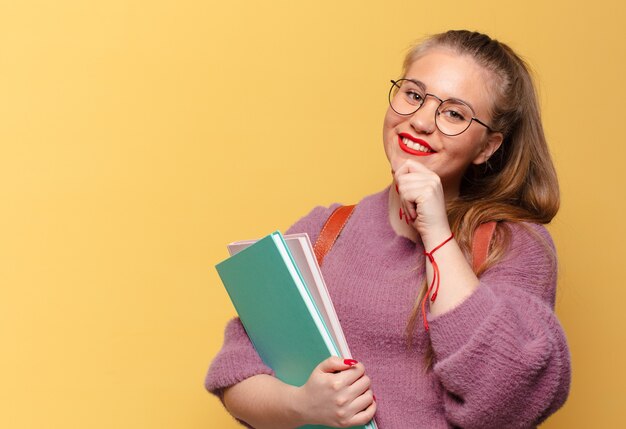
(422, 86)
(418, 83)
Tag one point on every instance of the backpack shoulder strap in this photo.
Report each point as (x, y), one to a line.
(338, 219)
(481, 242)
(330, 231)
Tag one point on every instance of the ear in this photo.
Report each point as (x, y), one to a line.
(494, 140)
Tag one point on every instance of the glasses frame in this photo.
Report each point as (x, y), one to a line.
(395, 83)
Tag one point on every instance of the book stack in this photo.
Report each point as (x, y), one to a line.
(280, 296)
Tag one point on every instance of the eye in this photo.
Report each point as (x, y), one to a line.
(454, 115)
(454, 112)
(413, 96)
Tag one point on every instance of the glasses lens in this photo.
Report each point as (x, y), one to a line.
(453, 117)
(405, 97)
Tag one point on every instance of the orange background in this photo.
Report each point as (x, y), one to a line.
(138, 138)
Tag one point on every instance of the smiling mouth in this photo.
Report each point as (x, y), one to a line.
(418, 148)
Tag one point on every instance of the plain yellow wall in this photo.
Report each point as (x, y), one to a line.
(138, 137)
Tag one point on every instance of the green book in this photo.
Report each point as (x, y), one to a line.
(278, 311)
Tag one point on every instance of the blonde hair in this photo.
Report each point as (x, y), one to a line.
(519, 183)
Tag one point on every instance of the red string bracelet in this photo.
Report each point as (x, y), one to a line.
(436, 277)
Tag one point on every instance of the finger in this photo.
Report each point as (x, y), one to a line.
(364, 416)
(349, 377)
(394, 166)
(416, 167)
(412, 210)
(401, 167)
(411, 181)
(408, 209)
(399, 172)
(334, 364)
(361, 402)
(420, 188)
(409, 166)
(359, 387)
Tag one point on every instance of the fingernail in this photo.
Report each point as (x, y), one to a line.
(350, 362)
(374, 398)
(407, 219)
(400, 213)
(397, 188)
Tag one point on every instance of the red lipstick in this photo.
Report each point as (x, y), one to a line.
(411, 151)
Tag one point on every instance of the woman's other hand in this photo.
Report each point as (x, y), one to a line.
(422, 199)
(337, 394)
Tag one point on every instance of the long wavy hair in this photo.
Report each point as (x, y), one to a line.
(518, 183)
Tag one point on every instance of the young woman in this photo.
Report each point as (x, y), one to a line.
(438, 343)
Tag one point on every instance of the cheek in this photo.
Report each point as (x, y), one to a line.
(391, 119)
(469, 148)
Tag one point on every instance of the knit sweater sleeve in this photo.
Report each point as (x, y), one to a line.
(238, 359)
(501, 355)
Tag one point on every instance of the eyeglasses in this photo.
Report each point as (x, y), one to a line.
(452, 116)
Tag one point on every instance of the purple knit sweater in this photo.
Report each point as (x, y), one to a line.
(501, 358)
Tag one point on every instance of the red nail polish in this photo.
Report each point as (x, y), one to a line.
(401, 213)
(397, 188)
(407, 219)
(350, 362)
(374, 398)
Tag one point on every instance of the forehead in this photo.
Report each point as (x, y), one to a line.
(447, 74)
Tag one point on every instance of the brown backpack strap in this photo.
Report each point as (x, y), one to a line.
(481, 242)
(330, 231)
(337, 220)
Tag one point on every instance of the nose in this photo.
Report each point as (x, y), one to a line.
(423, 120)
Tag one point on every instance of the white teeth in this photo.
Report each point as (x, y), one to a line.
(415, 146)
